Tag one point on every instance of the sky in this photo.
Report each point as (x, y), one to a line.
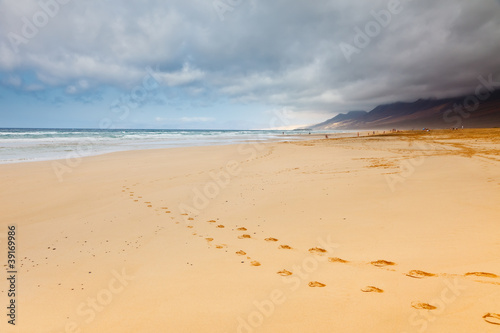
(234, 64)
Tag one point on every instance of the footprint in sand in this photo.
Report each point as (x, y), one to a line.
(284, 247)
(150, 206)
(419, 274)
(372, 289)
(164, 207)
(271, 239)
(190, 219)
(244, 236)
(190, 226)
(285, 273)
(211, 221)
(167, 212)
(482, 274)
(209, 239)
(241, 253)
(184, 214)
(317, 250)
(220, 246)
(492, 318)
(382, 263)
(255, 263)
(422, 306)
(220, 226)
(335, 259)
(316, 284)
(242, 229)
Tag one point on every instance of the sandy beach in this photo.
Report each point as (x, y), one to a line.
(385, 233)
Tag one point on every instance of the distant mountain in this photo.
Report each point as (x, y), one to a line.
(430, 113)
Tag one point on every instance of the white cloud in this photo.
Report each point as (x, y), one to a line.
(184, 76)
(79, 87)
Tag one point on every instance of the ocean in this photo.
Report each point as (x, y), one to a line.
(25, 145)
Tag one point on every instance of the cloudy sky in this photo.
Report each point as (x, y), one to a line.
(234, 64)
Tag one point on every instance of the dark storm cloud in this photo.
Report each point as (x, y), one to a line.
(280, 53)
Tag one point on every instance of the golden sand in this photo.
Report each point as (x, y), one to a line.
(415, 214)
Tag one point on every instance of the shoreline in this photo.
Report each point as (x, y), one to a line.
(82, 153)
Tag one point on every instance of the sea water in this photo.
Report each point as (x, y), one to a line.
(35, 144)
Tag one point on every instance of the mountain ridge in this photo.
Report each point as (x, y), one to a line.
(468, 111)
